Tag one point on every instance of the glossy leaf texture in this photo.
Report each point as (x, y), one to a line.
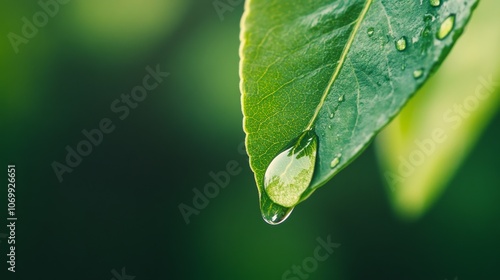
(426, 143)
(342, 69)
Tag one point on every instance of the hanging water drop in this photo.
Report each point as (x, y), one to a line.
(370, 31)
(418, 73)
(290, 172)
(273, 213)
(401, 44)
(446, 27)
(335, 161)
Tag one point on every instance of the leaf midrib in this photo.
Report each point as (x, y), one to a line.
(342, 60)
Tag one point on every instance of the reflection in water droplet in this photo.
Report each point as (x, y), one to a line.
(370, 31)
(341, 98)
(418, 73)
(290, 172)
(335, 161)
(446, 27)
(435, 3)
(401, 44)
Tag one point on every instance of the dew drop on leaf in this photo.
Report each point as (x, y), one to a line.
(341, 98)
(446, 27)
(401, 44)
(291, 171)
(370, 31)
(435, 3)
(335, 161)
(418, 73)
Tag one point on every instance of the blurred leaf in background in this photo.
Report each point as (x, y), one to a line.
(121, 28)
(423, 147)
(207, 66)
(22, 71)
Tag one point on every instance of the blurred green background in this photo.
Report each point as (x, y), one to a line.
(119, 207)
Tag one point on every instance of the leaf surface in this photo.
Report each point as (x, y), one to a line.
(342, 69)
(424, 146)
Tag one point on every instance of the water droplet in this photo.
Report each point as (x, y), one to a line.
(335, 161)
(435, 3)
(341, 98)
(418, 73)
(290, 172)
(273, 213)
(403, 66)
(370, 31)
(446, 27)
(401, 44)
(331, 115)
(330, 126)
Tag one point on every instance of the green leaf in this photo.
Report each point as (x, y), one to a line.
(425, 145)
(342, 69)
